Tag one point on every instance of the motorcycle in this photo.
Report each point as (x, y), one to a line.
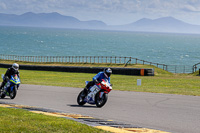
(11, 87)
(97, 94)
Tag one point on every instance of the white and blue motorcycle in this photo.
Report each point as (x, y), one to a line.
(11, 87)
(98, 94)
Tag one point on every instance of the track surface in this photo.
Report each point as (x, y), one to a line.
(172, 113)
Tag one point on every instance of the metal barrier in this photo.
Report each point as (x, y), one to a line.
(99, 59)
(179, 68)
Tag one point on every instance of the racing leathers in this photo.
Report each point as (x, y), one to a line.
(7, 76)
(96, 79)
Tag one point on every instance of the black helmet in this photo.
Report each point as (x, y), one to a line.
(107, 72)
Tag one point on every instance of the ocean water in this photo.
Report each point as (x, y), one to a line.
(165, 48)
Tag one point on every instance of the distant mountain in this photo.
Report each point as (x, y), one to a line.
(56, 20)
(165, 24)
(48, 20)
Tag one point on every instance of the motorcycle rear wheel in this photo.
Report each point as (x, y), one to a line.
(80, 98)
(101, 101)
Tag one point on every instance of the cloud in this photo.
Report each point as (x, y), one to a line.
(109, 6)
(3, 5)
(190, 9)
(192, 6)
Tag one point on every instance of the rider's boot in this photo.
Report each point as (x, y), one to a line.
(85, 91)
(1, 90)
(2, 85)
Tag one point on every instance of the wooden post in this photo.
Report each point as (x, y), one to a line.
(124, 60)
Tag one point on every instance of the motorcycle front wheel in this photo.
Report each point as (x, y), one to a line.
(101, 101)
(3, 96)
(13, 93)
(80, 98)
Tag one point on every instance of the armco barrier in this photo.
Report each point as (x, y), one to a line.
(122, 71)
(99, 60)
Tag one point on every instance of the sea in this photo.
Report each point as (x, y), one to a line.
(164, 48)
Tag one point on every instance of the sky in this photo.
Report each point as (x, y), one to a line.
(111, 12)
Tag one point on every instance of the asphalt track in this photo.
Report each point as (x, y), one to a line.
(171, 113)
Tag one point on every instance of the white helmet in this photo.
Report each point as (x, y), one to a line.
(107, 72)
(15, 66)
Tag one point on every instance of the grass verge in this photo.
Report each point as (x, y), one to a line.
(19, 120)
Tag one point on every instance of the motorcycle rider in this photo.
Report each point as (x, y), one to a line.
(105, 74)
(12, 70)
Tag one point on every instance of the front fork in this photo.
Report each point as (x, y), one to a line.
(101, 93)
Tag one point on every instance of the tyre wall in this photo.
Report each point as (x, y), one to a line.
(120, 71)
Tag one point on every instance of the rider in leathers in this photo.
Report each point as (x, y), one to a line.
(12, 70)
(98, 78)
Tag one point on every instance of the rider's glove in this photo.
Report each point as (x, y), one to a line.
(6, 78)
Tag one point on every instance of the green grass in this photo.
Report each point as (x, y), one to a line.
(162, 82)
(19, 120)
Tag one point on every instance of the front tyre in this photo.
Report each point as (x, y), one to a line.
(13, 93)
(80, 98)
(3, 96)
(101, 101)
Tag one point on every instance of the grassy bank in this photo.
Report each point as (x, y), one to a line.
(162, 82)
(18, 120)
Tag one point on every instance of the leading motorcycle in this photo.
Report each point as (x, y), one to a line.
(11, 87)
(97, 94)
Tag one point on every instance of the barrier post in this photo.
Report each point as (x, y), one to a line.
(139, 82)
